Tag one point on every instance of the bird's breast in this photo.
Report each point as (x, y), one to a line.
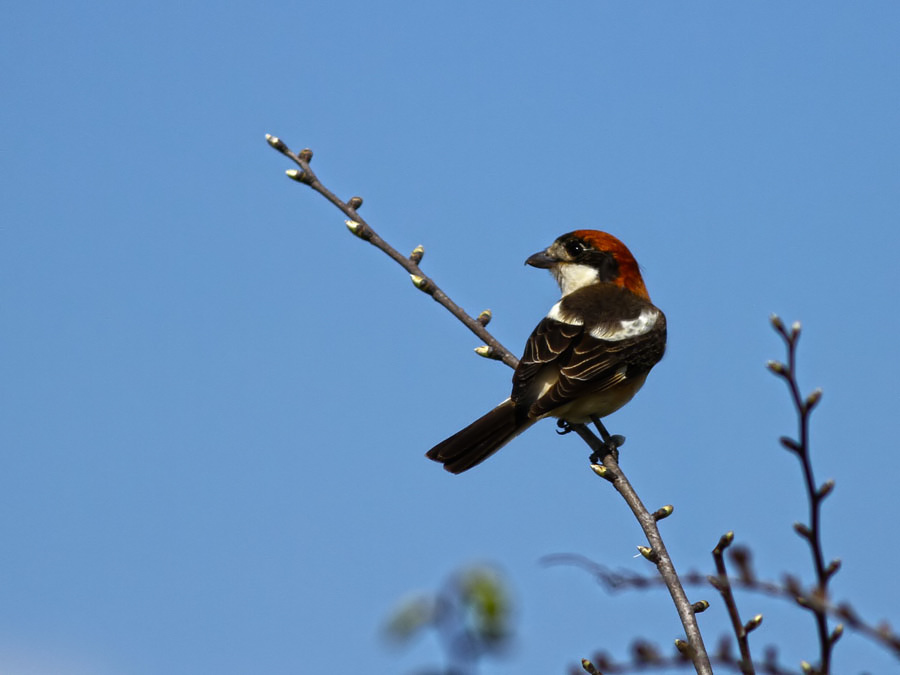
(601, 403)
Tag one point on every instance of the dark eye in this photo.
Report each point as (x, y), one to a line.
(574, 248)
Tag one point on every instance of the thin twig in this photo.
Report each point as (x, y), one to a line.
(657, 551)
(812, 533)
(364, 231)
(722, 584)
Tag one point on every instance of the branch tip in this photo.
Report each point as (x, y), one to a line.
(297, 175)
(306, 155)
(836, 633)
(777, 323)
(813, 399)
(802, 530)
(416, 256)
(355, 202)
(358, 229)
(724, 542)
(663, 512)
(825, 489)
(753, 623)
(647, 552)
(790, 444)
(487, 352)
(589, 667)
(603, 472)
(700, 606)
(485, 317)
(795, 330)
(777, 367)
(276, 143)
(683, 648)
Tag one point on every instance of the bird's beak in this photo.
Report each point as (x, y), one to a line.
(542, 260)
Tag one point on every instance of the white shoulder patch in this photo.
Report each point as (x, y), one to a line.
(556, 314)
(644, 323)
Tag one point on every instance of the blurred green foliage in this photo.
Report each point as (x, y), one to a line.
(472, 615)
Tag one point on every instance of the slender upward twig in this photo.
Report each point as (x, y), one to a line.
(812, 533)
(657, 553)
(723, 584)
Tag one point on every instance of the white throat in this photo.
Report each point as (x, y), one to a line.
(572, 276)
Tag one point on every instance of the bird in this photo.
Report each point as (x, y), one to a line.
(586, 358)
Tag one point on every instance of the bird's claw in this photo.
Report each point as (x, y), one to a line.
(564, 427)
(611, 447)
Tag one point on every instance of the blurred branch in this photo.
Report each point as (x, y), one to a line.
(811, 533)
(790, 590)
(603, 449)
(646, 658)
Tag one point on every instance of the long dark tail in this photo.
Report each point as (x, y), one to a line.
(479, 440)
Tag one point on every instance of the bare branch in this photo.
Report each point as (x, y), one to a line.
(358, 226)
(791, 591)
(722, 584)
(812, 533)
(604, 449)
(645, 658)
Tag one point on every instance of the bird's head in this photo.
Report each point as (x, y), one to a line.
(585, 257)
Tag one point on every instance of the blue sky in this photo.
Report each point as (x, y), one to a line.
(215, 400)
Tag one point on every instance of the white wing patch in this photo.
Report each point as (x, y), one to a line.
(644, 323)
(556, 314)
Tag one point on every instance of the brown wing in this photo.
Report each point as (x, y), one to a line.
(580, 364)
(547, 343)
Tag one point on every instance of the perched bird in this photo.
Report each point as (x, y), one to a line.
(587, 357)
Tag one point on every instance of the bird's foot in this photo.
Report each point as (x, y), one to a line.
(611, 442)
(611, 445)
(564, 427)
